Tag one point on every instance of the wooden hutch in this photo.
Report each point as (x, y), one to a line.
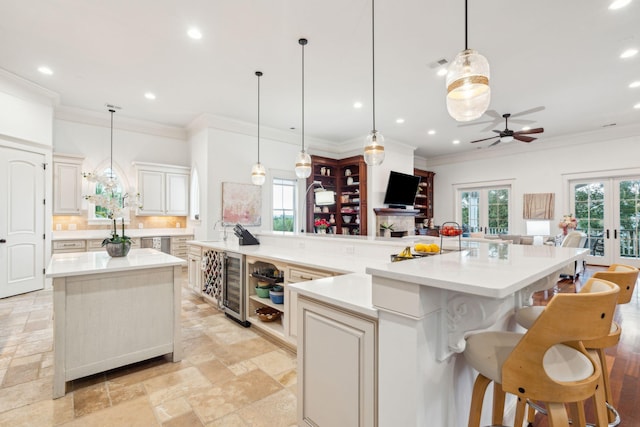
(348, 178)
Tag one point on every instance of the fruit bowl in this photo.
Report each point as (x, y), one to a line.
(450, 231)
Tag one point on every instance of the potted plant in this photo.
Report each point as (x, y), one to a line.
(321, 225)
(116, 245)
(386, 229)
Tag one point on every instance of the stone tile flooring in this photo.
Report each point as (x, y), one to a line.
(230, 376)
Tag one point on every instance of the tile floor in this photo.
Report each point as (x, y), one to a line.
(230, 376)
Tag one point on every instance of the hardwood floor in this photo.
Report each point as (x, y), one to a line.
(623, 360)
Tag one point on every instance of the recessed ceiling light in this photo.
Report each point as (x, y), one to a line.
(618, 4)
(637, 106)
(456, 141)
(526, 127)
(431, 132)
(442, 72)
(194, 33)
(45, 70)
(628, 53)
(357, 104)
(635, 84)
(400, 120)
(150, 95)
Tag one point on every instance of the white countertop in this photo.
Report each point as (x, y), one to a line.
(81, 263)
(349, 291)
(131, 232)
(489, 269)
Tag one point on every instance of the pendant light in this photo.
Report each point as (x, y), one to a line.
(468, 91)
(258, 173)
(374, 143)
(303, 160)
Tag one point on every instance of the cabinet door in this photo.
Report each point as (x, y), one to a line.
(177, 195)
(195, 273)
(67, 188)
(151, 185)
(335, 347)
(295, 275)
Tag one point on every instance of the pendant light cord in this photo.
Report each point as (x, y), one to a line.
(111, 165)
(466, 28)
(258, 74)
(373, 60)
(303, 43)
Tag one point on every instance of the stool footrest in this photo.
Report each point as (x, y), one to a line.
(610, 407)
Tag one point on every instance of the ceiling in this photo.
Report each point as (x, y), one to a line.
(563, 56)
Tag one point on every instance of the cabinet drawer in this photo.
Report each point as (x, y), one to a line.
(297, 274)
(69, 244)
(194, 250)
(181, 239)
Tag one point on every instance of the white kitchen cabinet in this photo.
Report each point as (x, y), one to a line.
(337, 365)
(67, 184)
(179, 246)
(63, 246)
(164, 189)
(294, 275)
(96, 244)
(194, 266)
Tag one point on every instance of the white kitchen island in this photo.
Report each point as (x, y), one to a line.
(110, 312)
(398, 361)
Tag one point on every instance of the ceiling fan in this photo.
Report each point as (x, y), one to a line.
(508, 135)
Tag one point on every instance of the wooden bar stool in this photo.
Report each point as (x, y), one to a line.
(625, 276)
(548, 363)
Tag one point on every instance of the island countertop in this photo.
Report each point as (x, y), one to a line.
(82, 263)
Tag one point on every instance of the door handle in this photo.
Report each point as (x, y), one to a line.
(607, 233)
(3, 240)
(615, 233)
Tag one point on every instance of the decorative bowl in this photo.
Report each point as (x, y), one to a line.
(263, 292)
(276, 297)
(346, 218)
(268, 314)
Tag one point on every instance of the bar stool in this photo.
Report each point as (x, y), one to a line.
(625, 276)
(547, 364)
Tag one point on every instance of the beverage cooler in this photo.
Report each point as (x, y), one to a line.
(233, 287)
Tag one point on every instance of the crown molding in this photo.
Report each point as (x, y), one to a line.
(25, 89)
(95, 118)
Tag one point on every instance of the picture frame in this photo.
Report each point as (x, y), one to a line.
(241, 204)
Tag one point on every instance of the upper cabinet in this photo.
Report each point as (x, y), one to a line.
(164, 189)
(67, 184)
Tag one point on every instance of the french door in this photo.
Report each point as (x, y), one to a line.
(484, 209)
(608, 211)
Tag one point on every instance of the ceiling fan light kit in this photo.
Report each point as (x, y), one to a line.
(468, 91)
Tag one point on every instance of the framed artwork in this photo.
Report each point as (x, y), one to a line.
(241, 204)
(538, 205)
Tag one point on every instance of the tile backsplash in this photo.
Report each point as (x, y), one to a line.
(79, 222)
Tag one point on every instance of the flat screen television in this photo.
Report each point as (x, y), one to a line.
(401, 190)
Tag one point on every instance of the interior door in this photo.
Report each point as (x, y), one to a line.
(21, 221)
(608, 211)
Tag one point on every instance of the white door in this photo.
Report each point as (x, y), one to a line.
(484, 209)
(21, 221)
(608, 211)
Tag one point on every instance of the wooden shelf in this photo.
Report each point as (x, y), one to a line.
(424, 199)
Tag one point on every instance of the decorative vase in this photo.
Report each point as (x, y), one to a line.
(118, 249)
(322, 231)
(332, 219)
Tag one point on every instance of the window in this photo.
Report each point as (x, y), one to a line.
(484, 208)
(283, 204)
(103, 200)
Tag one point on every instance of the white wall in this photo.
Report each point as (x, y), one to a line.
(537, 168)
(93, 143)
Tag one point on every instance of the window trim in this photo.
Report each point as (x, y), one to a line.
(484, 186)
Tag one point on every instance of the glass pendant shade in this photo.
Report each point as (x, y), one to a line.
(468, 91)
(303, 165)
(258, 174)
(374, 148)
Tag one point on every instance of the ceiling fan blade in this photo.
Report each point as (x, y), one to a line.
(495, 143)
(497, 131)
(494, 114)
(529, 131)
(524, 138)
(521, 121)
(529, 111)
(486, 139)
(497, 118)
